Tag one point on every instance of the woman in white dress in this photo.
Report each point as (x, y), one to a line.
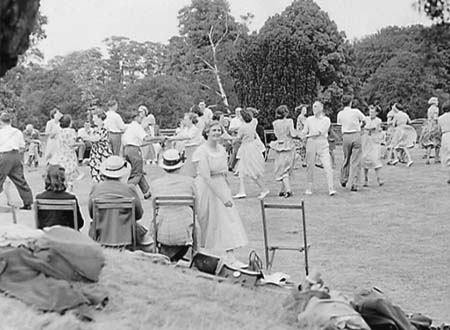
(250, 155)
(222, 230)
(404, 137)
(191, 135)
(444, 127)
(52, 129)
(371, 146)
(284, 148)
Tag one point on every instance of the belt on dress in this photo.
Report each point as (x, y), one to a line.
(110, 132)
(131, 146)
(351, 132)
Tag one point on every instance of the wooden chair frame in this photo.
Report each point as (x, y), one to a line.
(116, 203)
(269, 250)
(267, 133)
(173, 201)
(56, 205)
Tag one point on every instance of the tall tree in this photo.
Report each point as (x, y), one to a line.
(209, 37)
(297, 56)
(436, 10)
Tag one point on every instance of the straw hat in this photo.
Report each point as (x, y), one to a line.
(114, 167)
(171, 160)
(433, 100)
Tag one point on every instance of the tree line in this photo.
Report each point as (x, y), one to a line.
(298, 56)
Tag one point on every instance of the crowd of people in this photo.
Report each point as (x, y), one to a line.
(197, 159)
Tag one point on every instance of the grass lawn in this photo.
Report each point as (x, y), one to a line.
(394, 237)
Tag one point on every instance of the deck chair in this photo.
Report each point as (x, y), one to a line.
(56, 205)
(164, 201)
(116, 204)
(270, 249)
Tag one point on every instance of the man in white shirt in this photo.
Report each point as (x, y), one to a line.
(351, 121)
(115, 127)
(134, 137)
(11, 145)
(206, 113)
(316, 131)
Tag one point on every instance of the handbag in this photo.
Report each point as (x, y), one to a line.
(206, 263)
(255, 263)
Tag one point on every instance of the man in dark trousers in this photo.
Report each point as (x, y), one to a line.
(11, 145)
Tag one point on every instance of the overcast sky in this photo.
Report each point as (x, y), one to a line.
(82, 24)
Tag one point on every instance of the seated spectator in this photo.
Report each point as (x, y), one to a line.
(55, 188)
(85, 135)
(175, 222)
(115, 171)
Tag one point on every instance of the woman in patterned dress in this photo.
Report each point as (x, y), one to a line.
(65, 155)
(371, 146)
(430, 137)
(101, 147)
(284, 148)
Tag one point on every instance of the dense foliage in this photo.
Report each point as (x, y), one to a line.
(298, 56)
(407, 65)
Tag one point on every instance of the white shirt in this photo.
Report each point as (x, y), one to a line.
(401, 118)
(350, 119)
(134, 134)
(113, 122)
(314, 125)
(208, 115)
(235, 123)
(11, 139)
(82, 133)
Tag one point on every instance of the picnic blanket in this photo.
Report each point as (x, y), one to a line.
(42, 274)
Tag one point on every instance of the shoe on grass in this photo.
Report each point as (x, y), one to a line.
(288, 194)
(25, 207)
(354, 188)
(409, 164)
(239, 196)
(263, 194)
(308, 192)
(332, 192)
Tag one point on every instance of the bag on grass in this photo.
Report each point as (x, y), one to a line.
(379, 312)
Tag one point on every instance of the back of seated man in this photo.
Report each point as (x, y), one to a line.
(115, 171)
(174, 223)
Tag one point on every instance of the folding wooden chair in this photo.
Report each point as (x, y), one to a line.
(269, 249)
(173, 201)
(115, 204)
(56, 205)
(268, 137)
(9, 209)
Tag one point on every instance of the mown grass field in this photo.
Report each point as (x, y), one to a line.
(395, 237)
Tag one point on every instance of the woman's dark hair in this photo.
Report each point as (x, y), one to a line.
(347, 100)
(281, 112)
(53, 113)
(208, 127)
(399, 107)
(193, 117)
(55, 178)
(246, 115)
(196, 109)
(100, 114)
(65, 121)
(217, 115)
(446, 106)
